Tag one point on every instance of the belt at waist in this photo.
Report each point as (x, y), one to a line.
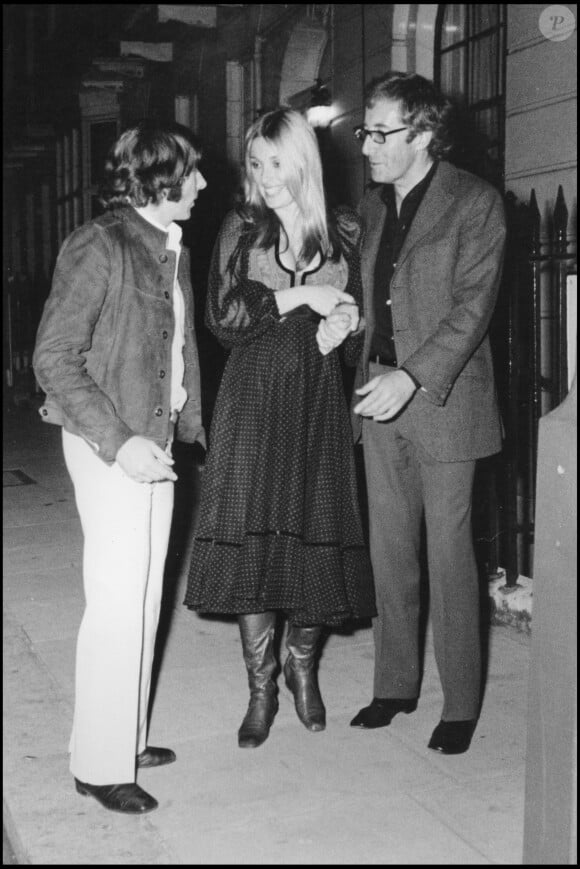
(382, 360)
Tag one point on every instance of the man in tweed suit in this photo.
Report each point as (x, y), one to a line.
(431, 266)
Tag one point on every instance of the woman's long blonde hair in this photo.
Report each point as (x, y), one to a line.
(297, 147)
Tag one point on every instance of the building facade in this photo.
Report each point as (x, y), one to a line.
(75, 75)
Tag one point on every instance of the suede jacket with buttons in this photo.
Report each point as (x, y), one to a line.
(103, 349)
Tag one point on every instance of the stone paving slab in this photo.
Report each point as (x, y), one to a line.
(338, 797)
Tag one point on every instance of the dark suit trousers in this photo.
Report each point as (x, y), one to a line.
(404, 483)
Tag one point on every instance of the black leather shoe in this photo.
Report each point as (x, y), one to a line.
(452, 737)
(127, 798)
(152, 756)
(380, 713)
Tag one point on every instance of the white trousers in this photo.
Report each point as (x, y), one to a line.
(126, 529)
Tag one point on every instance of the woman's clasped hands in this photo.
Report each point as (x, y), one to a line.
(336, 325)
(338, 309)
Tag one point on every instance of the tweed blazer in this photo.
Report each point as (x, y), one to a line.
(443, 292)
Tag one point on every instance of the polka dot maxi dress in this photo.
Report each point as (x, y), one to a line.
(279, 525)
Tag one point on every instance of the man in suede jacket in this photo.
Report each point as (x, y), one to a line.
(116, 356)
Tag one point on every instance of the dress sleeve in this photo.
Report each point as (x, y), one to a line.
(349, 229)
(238, 309)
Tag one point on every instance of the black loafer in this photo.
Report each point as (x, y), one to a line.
(128, 798)
(452, 737)
(380, 713)
(152, 756)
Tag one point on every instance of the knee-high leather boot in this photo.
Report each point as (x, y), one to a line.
(257, 633)
(301, 677)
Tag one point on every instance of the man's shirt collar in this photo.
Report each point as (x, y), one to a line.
(388, 190)
(173, 231)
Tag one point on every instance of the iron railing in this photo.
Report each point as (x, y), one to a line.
(529, 340)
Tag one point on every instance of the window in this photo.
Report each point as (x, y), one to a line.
(98, 136)
(470, 68)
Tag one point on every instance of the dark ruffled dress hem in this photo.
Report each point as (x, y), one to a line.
(301, 620)
(223, 579)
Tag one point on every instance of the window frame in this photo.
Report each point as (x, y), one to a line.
(470, 39)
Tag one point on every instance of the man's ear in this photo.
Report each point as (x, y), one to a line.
(423, 139)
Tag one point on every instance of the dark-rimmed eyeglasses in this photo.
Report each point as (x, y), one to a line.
(377, 136)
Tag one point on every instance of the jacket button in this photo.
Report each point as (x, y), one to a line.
(162, 374)
(165, 333)
(163, 258)
(158, 411)
(166, 294)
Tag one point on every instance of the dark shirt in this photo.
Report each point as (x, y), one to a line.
(394, 233)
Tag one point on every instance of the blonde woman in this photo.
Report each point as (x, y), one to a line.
(279, 527)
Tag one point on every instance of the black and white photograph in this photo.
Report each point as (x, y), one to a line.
(290, 427)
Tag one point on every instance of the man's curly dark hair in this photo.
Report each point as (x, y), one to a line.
(147, 159)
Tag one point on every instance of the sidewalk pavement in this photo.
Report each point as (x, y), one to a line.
(339, 797)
